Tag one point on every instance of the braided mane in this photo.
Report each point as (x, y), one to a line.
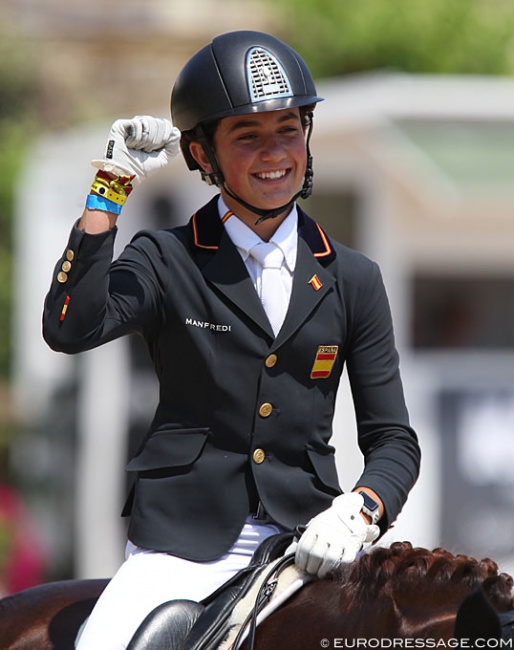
(408, 574)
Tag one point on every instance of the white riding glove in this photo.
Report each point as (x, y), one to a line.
(334, 536)
(139, 147)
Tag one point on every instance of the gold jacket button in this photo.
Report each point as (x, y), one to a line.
(265, 410)
(70, 255)
(62, 277)
(258, 456)
(66, 266)
(271, 360)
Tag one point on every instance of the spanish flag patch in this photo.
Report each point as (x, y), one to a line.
(315, 283)
(324, 361)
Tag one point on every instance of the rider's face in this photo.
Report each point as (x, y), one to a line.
(263, 158)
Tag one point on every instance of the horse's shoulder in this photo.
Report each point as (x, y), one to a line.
(26, 616)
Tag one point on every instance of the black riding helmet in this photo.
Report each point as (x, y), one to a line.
(240, 73)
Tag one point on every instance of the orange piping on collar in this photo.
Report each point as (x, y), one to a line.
(328, 249)
(197, 241)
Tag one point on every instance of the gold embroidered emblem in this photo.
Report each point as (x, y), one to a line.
(324, 361)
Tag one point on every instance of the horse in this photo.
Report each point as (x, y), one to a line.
(395, 593)
(398, 592)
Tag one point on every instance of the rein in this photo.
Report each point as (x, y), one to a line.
(264, 595)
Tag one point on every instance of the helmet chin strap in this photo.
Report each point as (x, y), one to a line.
(216, 178)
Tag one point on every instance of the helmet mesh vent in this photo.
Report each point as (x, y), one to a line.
(266, 77)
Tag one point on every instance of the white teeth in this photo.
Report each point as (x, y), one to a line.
(272, 175)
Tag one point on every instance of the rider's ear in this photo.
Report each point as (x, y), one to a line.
(198, 153)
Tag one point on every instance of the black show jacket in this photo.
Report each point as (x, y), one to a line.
(239, 410)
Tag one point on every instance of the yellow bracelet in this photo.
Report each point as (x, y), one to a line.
(120, 184)
(117, 186)
(107, 192)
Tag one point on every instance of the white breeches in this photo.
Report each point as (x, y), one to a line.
(147, 578)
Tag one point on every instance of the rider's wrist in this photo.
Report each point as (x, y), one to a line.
(97, 202)
(109, 192)
(114, 188)
(370, 509)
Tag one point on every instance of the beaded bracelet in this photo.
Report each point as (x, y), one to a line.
(96, 202)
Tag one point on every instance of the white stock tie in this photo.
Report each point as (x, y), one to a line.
(273, 294)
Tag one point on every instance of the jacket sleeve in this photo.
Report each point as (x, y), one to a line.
(93, 300)
(386, 439)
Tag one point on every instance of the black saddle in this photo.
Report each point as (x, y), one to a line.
(186, 624)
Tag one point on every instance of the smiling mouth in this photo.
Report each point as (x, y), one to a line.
(271, 176)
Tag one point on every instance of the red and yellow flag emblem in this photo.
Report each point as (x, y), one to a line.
(315, 283)
(324, 361)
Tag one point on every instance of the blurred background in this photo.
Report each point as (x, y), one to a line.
(414, 165)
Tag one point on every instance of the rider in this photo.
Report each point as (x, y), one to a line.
(239, 446)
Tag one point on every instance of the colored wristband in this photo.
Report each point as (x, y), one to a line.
(109, 179)
(95, 202)
(108, 193)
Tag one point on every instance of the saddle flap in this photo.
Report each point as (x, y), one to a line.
(172, 620)
(211, 627)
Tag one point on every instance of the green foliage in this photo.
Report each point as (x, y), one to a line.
(428, 36)
(17, 77)
(13, 137)
(18, 93)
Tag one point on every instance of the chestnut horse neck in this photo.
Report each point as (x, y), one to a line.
(406, 583)
(393, 593)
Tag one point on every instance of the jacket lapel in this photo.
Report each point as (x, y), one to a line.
(222, 265)
(228, 272)
(310, 285)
